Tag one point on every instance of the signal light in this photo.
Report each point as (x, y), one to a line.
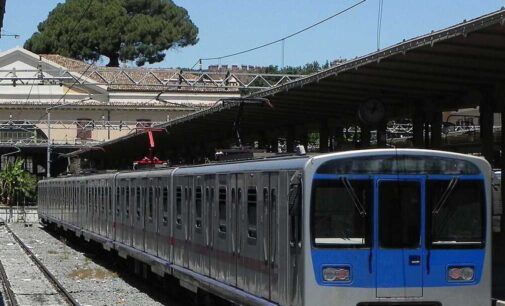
(460, 274)
(337, 274)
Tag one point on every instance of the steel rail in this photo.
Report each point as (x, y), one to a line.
(9, 294)
(49, 276)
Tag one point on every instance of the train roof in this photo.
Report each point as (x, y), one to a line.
(291, 162)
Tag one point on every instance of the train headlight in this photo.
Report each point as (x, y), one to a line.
(336, 274)
(460, 274)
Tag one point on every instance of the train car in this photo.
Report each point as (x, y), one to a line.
(370, 227)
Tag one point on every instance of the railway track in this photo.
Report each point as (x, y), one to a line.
(8, 296)
(49, 276)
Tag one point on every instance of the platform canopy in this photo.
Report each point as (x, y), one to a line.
(450, 69)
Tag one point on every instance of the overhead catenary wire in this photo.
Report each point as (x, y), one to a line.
(280, 39)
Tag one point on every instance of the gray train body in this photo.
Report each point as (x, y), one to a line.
(230, 229)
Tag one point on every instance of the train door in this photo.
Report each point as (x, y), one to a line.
(398, 236)
(179, 229)
(96, 211)
(187, 216)
(198, 256)
(272, 233)
(118, 198)
(268, 186)
(234, 223)
(251, 261)
(62, 202)
(221, 254)
(209, 199)
(82, 203)
(94, 208)
(90, 200)
(104, 205)
(128, 212)
(72, 202)
(110, 211)
(139, 213)
(164, 221)
(120, 207)
(150, 216)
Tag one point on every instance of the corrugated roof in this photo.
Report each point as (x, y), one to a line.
(442, 70)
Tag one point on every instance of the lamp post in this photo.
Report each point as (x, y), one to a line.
(48, 112)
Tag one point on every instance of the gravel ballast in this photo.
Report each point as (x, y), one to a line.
(88, 282)
(29, 285)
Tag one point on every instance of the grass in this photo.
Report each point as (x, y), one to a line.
(89, 273)
(66, 253)
(87, 261)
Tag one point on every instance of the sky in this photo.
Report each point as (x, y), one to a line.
(229, 26)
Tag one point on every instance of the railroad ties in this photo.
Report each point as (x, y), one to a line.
(23, 282)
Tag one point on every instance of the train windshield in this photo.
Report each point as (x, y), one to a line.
(404, 201)
(455, 213)
(342, 213)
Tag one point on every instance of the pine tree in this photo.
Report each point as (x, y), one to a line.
(126, 30)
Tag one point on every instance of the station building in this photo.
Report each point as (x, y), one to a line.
(88, 104)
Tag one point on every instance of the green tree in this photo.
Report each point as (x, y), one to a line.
(126, 30)
(15, 182)
(308, 68)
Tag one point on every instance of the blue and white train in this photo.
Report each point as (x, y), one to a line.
(371, 227)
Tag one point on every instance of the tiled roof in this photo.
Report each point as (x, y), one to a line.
(140, 79)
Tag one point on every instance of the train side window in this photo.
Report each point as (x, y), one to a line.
(207, 200)
(127, 202)
(222, 209)
(190, 198)
(86, 196)
(95, 199)
(273, 214)
(265, 196)
(178, 205)
(98, 199)
(138, 197)
(150, 208)
(251, 212)
(90, 199)
(295, 208)
(102, 199)
(157, 196)
(109, 197)
(165, 206)
(119, 194)
(198, 207)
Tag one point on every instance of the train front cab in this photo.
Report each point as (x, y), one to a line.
(398, 229)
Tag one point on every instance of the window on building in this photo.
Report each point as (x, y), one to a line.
(84, 128)
(143, 123)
